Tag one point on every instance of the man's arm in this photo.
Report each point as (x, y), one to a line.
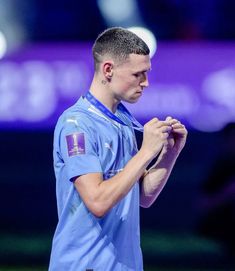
(156, 177)
(99, 195)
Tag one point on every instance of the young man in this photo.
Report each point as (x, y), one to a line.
(101, 176)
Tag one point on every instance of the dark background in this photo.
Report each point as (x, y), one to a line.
(178, 232)
(169, 19)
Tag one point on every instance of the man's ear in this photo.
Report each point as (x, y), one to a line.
(108, 70)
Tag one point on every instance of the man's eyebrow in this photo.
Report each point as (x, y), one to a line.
(145, 70)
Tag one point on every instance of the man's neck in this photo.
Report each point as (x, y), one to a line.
(102, 93)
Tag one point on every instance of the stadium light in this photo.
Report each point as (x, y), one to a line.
(147, 36)
(3, 45)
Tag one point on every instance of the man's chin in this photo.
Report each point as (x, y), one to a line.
(132, 100)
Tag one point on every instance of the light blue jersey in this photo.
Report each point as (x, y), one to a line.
(86, 141)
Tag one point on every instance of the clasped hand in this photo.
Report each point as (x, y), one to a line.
(167, 135)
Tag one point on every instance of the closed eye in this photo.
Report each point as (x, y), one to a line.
(141, 74)
(136, 75)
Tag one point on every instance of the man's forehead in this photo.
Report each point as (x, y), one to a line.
(138, 57)
(140, 62)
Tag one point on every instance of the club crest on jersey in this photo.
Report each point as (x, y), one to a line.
(75, 144)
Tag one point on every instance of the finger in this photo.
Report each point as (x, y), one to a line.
(166, 129)
(157, 125)
(174, 121)
(180, 130)
(171, 120)
(168, 118)
(151, 123)
(177, 125)
(164, 123)
(154, 120)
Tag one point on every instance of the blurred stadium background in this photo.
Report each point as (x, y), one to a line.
(45, 65)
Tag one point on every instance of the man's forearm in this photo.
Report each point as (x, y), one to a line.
(155, 179)
(100, 196)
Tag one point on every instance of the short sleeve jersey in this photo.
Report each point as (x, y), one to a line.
(86, 141)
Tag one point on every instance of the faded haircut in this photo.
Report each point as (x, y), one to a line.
(118, 43)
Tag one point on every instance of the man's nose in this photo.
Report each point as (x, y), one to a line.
(144, 81)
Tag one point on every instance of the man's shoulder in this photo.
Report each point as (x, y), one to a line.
(77, 114)
(79, 109)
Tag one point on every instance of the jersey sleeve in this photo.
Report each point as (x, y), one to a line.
(78, 147)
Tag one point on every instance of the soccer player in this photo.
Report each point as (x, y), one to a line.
(101, 176)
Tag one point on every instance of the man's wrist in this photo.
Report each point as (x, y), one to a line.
(168, 154)
(146, 155)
